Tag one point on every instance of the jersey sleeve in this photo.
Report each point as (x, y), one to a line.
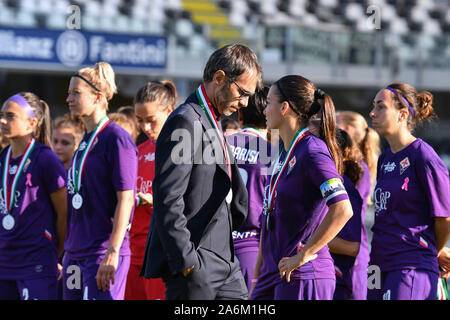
(53, 173)
(434, 178)
(323, 174)
(123, 157)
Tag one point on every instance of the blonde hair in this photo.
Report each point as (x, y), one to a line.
(101, 75)
(364, 137)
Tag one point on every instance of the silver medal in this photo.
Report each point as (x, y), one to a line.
(8, 222)
(77, 201)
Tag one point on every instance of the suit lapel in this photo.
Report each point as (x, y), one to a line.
(209, 132)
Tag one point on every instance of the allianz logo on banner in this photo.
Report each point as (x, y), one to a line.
(73, 48)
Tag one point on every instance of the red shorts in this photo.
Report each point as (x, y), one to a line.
(139, 288)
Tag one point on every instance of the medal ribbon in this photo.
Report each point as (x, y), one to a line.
(9, 195)
(76, 174)
(252, 131)
(274, 183)
(207, 108)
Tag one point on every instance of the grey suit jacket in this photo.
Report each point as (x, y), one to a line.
(190, 188)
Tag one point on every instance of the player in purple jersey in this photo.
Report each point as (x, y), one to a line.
(412, 199)
(32, 202)
(368, 142)
(345, 247)
(252, 154)
(297, 224)
(101, 190)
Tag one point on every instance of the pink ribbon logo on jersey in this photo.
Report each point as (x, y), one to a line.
(28, 182)
(405, 184)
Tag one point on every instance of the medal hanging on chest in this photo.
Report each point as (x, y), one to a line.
(275, 178)
(77, 170)
(9, 191)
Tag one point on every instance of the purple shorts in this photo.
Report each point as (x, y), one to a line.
(34, 289)
(359, 283)
(406, 284)
(79, 281)
(247, 260)
(314, 289)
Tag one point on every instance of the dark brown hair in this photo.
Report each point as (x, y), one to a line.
(420, 102)
(164, 92)
(351, 156)
(42, 113)
(307, 101)
(253, 114)
(233, 59)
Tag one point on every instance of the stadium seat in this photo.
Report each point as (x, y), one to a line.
(7, 17)
(229, 20)
(56, 21)
(25, 19)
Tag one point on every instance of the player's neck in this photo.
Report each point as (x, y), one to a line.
(400, 141)
(288, 131)
(18, 145)
(67, 164)
(93, 119)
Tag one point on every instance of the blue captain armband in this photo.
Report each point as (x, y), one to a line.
(332, 188)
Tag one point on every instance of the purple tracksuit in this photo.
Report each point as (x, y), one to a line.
(28, 252)
(111, 166)
(412, 190)
(308, 185)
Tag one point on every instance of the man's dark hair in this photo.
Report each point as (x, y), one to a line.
(233, 59)
(253, 114)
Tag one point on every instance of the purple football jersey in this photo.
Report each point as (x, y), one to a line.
(412, 189)
(309, 184)
(29, 249)
(252, 155)
(364, 187)
(111, 166)
(343, 264)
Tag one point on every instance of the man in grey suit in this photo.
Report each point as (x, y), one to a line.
(199, 196)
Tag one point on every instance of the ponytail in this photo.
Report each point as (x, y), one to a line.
(421, 103)
(327, 130)
(43, 130)
(100, 78)
(306, 101)
(370, 149)
(164, 92)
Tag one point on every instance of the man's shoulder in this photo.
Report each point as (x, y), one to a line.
(188, 110)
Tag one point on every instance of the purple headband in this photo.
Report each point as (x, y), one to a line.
(403, 99)
(23, 103)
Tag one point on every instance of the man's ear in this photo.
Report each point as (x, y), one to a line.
(219, 78)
